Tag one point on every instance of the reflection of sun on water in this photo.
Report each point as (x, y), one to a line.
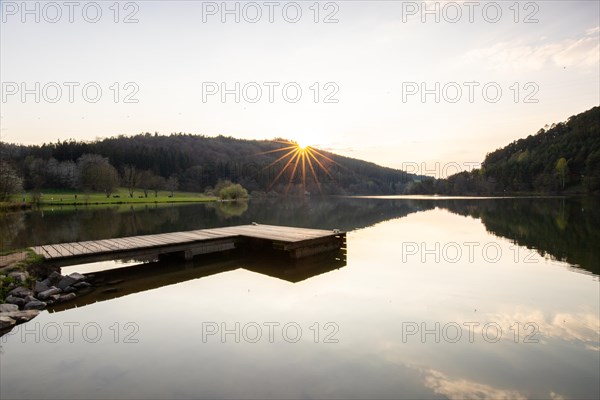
(302, 159)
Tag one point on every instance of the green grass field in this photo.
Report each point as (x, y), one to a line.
(121, 196)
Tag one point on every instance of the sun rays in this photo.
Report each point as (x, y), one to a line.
(300, 161)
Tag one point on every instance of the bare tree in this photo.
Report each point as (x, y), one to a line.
(131, 178)
(97, 174)
(146, 181)
(108, 179)
(172, 184)
(10, 181)
(158, 183)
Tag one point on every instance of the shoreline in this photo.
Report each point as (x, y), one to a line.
(28, 287)
(118, 201)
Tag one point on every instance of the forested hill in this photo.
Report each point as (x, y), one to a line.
(563, 157)
(197, 162)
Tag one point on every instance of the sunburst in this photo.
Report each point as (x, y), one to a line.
(302, 159)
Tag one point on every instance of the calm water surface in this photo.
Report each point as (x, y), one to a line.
(438, 298)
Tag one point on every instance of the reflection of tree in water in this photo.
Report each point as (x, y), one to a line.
(229, 209)
(567, 229)
(10, 226)
(91, 223)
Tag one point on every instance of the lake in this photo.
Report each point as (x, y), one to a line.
(431, 298)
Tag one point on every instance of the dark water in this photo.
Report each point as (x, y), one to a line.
(446, 298)
(566, 229)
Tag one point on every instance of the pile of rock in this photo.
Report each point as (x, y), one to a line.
(10, 315)
(24, 303)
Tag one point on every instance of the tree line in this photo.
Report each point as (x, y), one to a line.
(563, 157)
(193, 163)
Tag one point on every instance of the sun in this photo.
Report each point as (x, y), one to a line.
(300, 160)
(302, 145)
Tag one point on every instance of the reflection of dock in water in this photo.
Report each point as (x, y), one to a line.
(297, 242)
(119, 282)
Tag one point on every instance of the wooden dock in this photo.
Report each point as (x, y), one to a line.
(297, 242)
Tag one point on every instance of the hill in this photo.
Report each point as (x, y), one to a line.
(199, 162)
(561, 158)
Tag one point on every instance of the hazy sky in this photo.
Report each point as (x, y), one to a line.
(373, 57)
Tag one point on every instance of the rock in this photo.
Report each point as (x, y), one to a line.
(6, 322)
(23, 316)
(47, 293)
(53, 298)
(46, 282)
(20, 291)
(69, 289)
(54, 278)
(5, 308)
(20, 276)
(29, 298)
(66, 281)
(40, 287)
(90, 277)
(19, 302)
(82, 285)
(77, 276)
(35, 305)
(70, 280)
(67, 297)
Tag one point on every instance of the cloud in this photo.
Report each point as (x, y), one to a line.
(593, 31)
(581, 327)
(465, 389)
(515, 55)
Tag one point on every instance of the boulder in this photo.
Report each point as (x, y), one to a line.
(52, 299)
(20, 291)
(20, 276)
(6, 322)
(47, 293)
(23, 316)
(54, 278)
(35, 305)
(29, 298)
(67, 297)
(19, 302)
(40, 287)
(77, 276)
(69, 289)
(82, 285)
(5, 308)
(70, 280)
(66, 281)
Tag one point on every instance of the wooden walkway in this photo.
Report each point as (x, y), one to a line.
(298, 242)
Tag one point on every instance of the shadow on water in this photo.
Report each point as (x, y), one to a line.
(566, 229)
(119, 282)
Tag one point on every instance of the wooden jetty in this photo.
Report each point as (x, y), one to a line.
(297, 242)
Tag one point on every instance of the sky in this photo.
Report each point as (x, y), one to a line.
(417, 85)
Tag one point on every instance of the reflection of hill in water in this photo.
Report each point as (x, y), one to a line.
(67, 225)
(566, 229)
